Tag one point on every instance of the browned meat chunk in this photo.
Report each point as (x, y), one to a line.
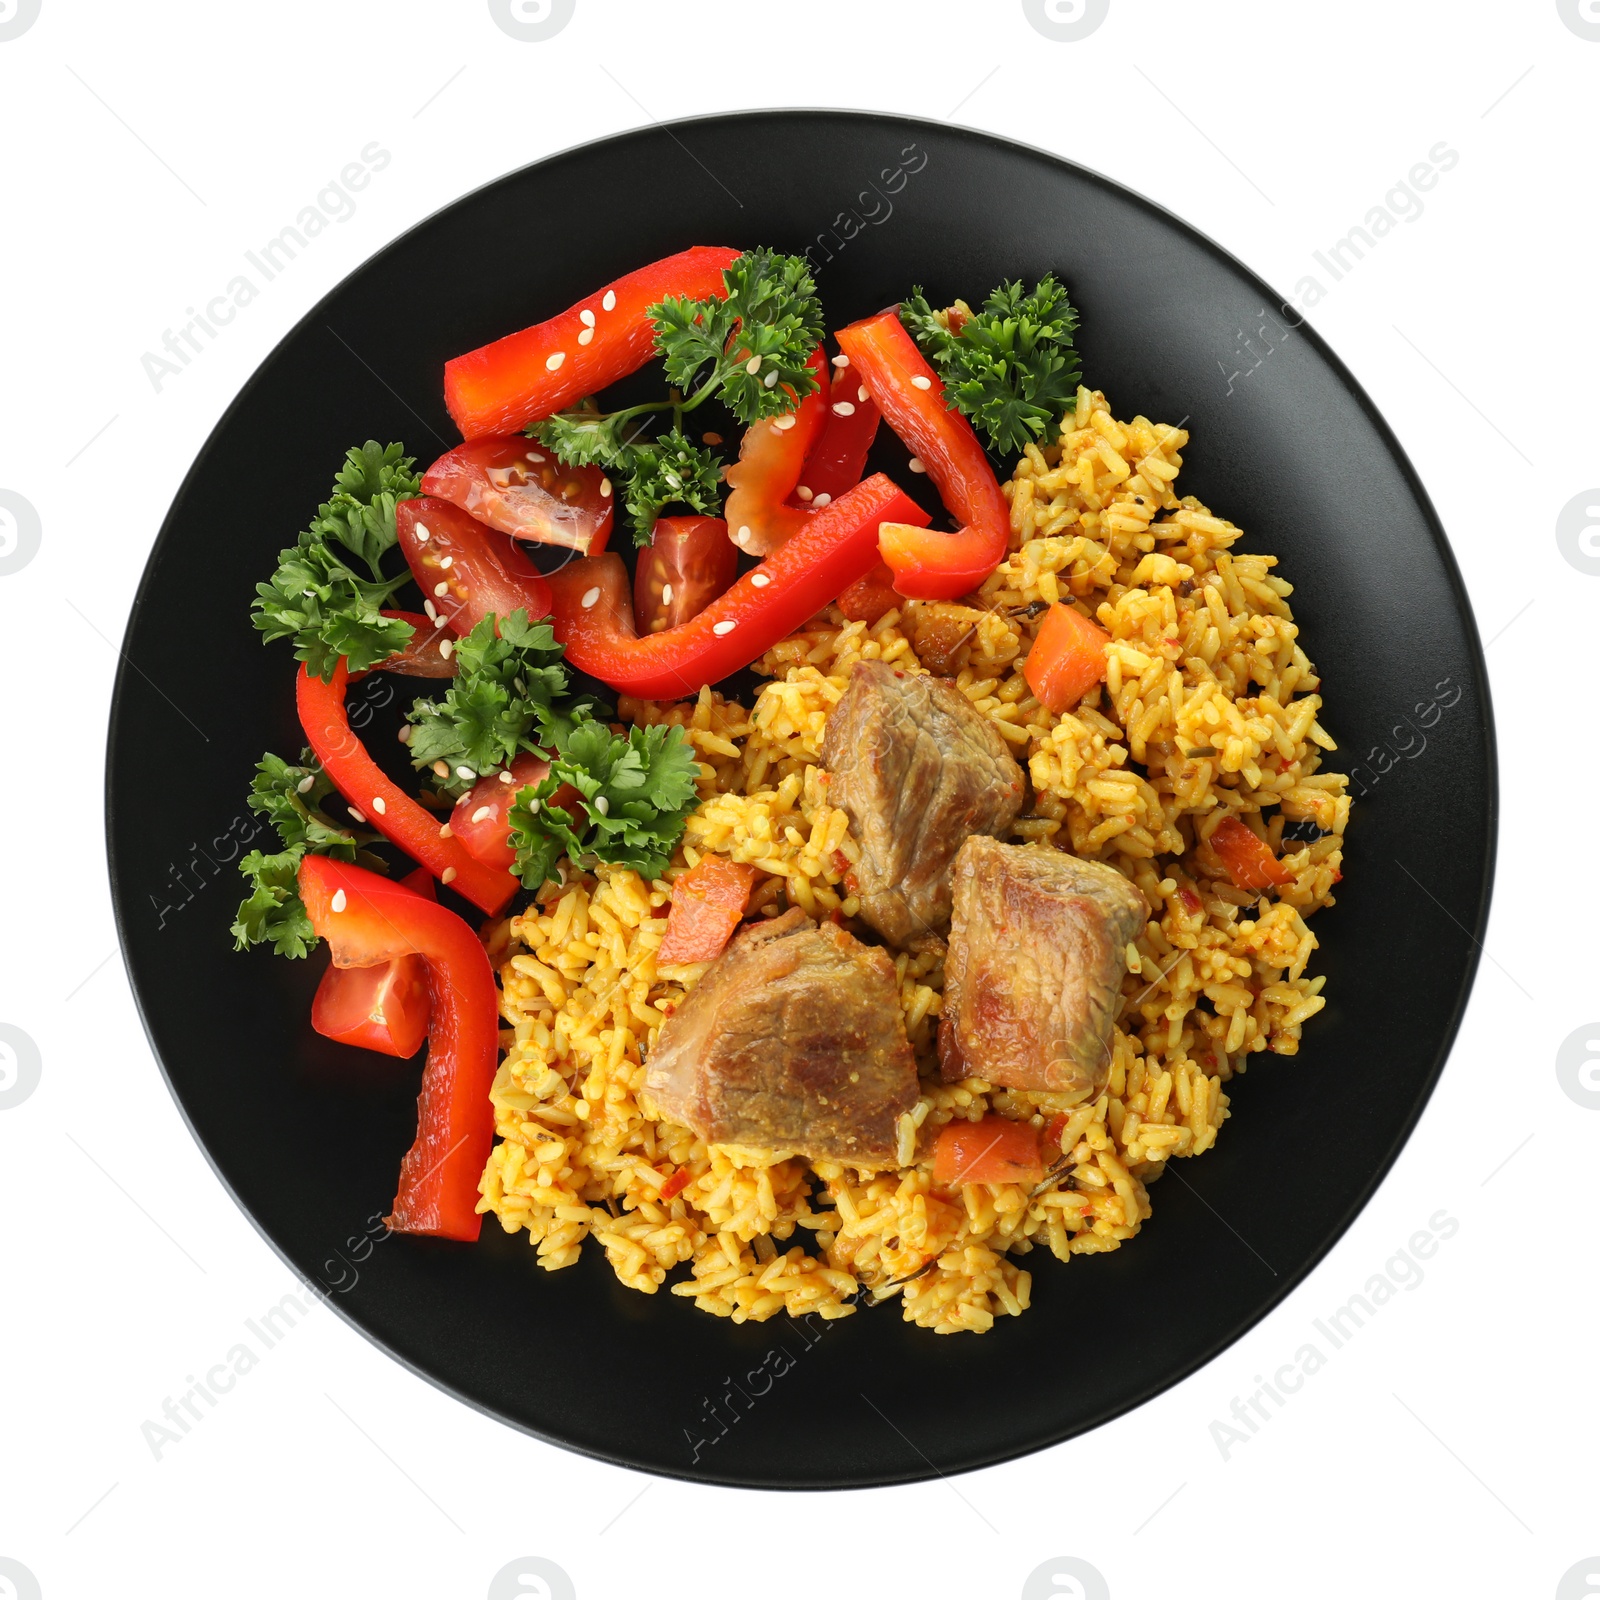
(793, 1040)
(917, 770)
(1033, 979)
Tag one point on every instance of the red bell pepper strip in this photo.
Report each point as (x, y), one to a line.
(1067, 660)
(929, 565)
(422, 657)
(465, 569)
(708, 902)
(368, 920)
(389, 809)
(686, 565)
(526, 376)
(994, 1149)
(771, 455)
(592, 617)
(515, 485)
(1249, 859)
(839, 457)
(383, 1008)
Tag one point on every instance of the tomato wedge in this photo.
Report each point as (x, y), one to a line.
(422, 657)
(839, 457)
(686, 565)
(367, 920)
(992, 1150)
(526, 376)
(708, 902)
(480, 819)
(465, 570)
(592, 615)
(515, 485)
(383, 1008)
(771, 455)
(1067, 660)
(386, 806)
(929, 565)
(1247, 857)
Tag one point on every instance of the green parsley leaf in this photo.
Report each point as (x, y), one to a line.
(638, 789)
(1011, 367)
(290, 798)
(669, 471)
(582, 438)
(320, 596)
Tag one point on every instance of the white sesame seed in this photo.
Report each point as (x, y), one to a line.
(305, 783)
(446, 648)
(445, 561)
(759, 580)
(673, 480)
(404, 735)
(862, 395)
(438, 620)
(610, 301)
(533, 455)
(922, 381)
(441, 770)
(420, 532)
(605, 488)
(357, 816)
(448, 875)
(483, 813)
(723, 629)
(602, 805)
(822, 500)
(753, 365)
(666, 595)
(589, 597)
(379, 804)
(843, 408)
(585, 335)
(441, 589)
(466, 772)
(506, 777)
(915, 463)
(802, 492)
(431, 609)
(338, 902)
(551, 362)
(784, 423)
(841, 361)
(586, 317)
(444, 831)
(742, 536)
(770, 381)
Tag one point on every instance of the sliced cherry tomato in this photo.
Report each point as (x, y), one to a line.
(1248, 858)
(383, 1008)
(368, 920)
(465, 570)
(593, 614)
(771, 455)
(515, 485)
(708, 902)
(839, 457)
(422, 658)
(525, 376)
(686, 565)
(929, 565)
(871, 598)
(992, 1150)
(1067, 660)
(479, 820)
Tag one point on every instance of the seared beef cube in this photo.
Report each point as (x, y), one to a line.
(793, 1040)
(917, 769)
(1033, 979)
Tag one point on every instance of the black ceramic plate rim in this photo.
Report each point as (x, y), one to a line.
(1404, 1126)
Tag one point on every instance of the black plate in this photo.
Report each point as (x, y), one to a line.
(308, 1136)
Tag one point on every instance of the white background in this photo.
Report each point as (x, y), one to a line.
(1447, 1448)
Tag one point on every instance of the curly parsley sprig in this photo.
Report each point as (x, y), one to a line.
(1011, 367)
(290, 798)
(749, 350)
(330, 587)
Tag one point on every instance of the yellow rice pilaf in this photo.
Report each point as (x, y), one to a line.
(1209, 710)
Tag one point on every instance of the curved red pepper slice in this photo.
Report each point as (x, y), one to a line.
(389, 809)
(515, 485)
(502, 387)
(929, 565)
(839, 457)
(368, 920)
(465, 570)
(592, 615)
(771, 455)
